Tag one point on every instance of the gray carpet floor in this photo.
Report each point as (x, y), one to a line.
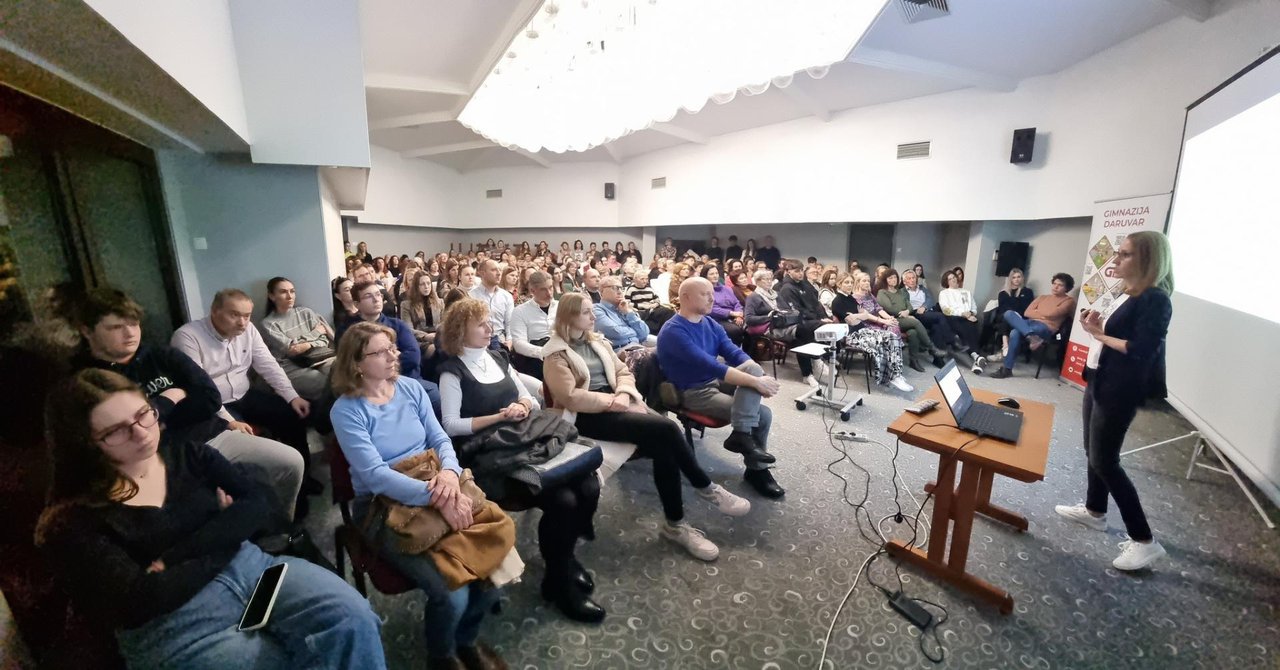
(768, 601)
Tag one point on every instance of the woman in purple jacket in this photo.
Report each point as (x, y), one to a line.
(726, 309)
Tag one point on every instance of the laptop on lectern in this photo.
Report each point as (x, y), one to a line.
(979, 418)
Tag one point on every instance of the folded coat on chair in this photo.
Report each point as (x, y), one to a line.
(463, 556)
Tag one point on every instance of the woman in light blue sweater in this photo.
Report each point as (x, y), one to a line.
(381, 419)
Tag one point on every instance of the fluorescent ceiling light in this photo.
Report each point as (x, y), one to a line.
(585, 72)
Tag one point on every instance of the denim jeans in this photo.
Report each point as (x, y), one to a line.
(318, 621)
(451, 618)
(741, 406)
(1022, 327)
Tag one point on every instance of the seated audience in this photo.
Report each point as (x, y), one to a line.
(759, 313)
(382, 419)
(185, 398)
(957, 304)
(150, 534)
(726, 309)
(871, 329)
(591, 284)
(893, 299)
(365, 273)
(797, 295)
(500, 301)
(1015, 296)
(667, 250)
(370, 303)
(679, 273)
(586, 377)
(558, 283)
(689, 348)
(225, 347)
(467, 277)
(617, 320)
(420, 305)
(827, 288)
(531, 326)
(481, 394)
(363, 255)
(344, 308)
(1044, 317)
(300, 339)
(925, 309)
(646, 301)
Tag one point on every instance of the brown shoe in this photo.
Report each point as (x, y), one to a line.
(481, 657)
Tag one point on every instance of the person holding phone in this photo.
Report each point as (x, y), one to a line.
(150, 533)
(1130, 370)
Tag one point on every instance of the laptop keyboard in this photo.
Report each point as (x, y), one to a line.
(983, 419)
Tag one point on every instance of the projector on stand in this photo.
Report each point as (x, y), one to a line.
(831, 332)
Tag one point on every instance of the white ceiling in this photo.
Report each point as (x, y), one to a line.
(423, 58)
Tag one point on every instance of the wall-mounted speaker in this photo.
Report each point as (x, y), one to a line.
(608, 190)
(1012, 255)
(1024, 142)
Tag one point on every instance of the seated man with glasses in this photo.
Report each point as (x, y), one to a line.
(369, 299)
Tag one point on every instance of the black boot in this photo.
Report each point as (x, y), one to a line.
(572, 602)
(764, 483)
(915, 364)
(580, 578)
(742, 443)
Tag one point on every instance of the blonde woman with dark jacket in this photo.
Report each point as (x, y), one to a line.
(584, 376)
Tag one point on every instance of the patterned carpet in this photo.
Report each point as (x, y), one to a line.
(768, 601)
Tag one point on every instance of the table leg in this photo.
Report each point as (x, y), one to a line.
(966, 503)
(986, 508)
(967, 582)
(942, 508)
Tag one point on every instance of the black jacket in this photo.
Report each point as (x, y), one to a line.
(157, 368)
(801, 296)
(1129, 378)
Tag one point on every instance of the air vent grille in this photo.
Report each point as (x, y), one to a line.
(493, 193)
(915, 11)
(913, 150)
(658, 182)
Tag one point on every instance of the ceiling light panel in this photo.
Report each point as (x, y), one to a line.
(584, 72)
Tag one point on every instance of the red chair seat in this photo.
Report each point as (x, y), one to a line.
(703, 419)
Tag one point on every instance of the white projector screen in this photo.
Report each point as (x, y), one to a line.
(1224, 341)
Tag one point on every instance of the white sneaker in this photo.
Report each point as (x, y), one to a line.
(727, 502)
(811, 381)
(1136, 555)
(820, 371)
(978, 362)
(1081, 515)
(691, 539)
(901, 384)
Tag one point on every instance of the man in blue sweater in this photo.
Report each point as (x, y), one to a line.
(689, 346)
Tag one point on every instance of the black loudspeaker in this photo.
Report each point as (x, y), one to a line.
(1024, 142)
(608, 190)
(1012, 255)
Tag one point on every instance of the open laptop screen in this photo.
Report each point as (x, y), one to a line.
(954, 389)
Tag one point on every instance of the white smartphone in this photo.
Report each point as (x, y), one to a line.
(258, 611)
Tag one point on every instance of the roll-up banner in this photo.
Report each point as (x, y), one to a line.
(1100, 290)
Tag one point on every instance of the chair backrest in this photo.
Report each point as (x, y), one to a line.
(339, 472)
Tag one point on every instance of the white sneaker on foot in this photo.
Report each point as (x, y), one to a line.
(811, 381)
(691, 539)
(901, 384)
(1081, 515)
(1136, 555)
(725, 501)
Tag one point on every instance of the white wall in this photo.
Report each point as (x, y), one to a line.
(332, 219)
(302, 70)
(259, 221)
(1115, 120)
(192, 41)
(952, 250)
(917, 243)
(566, 195)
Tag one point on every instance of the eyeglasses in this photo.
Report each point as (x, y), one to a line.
(389, 352)
(114, 437)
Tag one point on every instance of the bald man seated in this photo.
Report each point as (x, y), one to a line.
(690, 346)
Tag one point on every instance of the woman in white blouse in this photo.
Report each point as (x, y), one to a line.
(962, 315)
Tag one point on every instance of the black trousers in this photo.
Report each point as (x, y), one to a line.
(734, 331)
(939, 330)
(656, 317)
(527, 365)
(967, 330)
(567, 513)
(658, 438)
(1104, 431)
(270, 411)
(804, 335)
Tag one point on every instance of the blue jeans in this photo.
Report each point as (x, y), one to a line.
(452, 618)
(1022, 327)
(318, 621)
